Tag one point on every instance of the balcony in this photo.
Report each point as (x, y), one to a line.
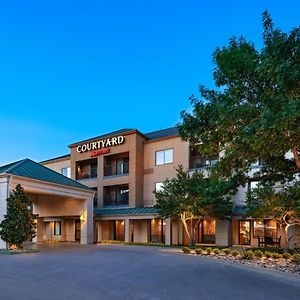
(200, 161)
(116, 165)
(117, 169)
(86, 169)
(116, 196)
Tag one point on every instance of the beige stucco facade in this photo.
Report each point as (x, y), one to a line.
(129, 170)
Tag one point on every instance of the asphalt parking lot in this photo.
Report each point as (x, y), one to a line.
(135, 272)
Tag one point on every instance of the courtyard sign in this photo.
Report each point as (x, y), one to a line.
(101, 144)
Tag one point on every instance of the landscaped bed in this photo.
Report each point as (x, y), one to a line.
(15, 251)
(270, 259)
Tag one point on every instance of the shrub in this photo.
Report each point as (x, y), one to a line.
(296, 259)
(199, 251)
(235, 253)
(258, 254)
(249, 255)
(276, 255)
(268, 254)
(208, 250)
(186, 250)
(216, 251)
(286, 256)
(226, 251)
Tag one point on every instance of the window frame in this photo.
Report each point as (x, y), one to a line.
(68, 171)
(164, 157)
(161, 185)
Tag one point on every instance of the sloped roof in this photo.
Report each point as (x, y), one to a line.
(172, 131)
(55, 158)
(30, 169)
(124, 211)
(239, 210)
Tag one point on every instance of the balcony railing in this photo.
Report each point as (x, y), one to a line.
(115, 170)
(116, 199)
(199, 162)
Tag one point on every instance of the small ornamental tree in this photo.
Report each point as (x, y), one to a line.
(280, 203)
(19, 224)
(190, 197)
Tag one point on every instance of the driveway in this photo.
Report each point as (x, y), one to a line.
(135, 272)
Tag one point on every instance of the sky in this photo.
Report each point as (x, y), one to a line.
(71, 70)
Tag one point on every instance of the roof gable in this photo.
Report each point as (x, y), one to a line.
(30, 169)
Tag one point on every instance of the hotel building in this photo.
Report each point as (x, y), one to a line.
(103, 190)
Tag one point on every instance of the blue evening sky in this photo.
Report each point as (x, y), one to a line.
(70, 70)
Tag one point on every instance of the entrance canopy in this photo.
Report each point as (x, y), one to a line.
(52, 194)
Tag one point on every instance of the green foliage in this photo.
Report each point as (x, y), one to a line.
(296, 259)
(258, 254)
(235, 253)
(282, 204)
(268, 254)
(216, 251)
(226, 251)
(255, 111)
(191, 197)
(187, 250)
(208, 250)
(199, 251)
(19, 224)
(276, 255)
(194, 195)
(286, 256)
(248, 255)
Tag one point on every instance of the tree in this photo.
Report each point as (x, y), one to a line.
(19, 224)
(282, 204)
(254, 113)
(190, 197)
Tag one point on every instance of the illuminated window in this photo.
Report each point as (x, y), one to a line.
(271, 228)
(157, 230)
(263, 228)
(164, 157)
(258, 229)
(57, 228)
(244, 233)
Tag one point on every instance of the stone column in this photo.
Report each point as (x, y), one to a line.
(168, 231)
(4, 193)
(223, 232)
(87, 223)
(127, 230)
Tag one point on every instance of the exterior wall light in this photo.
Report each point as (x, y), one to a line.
(83, 217)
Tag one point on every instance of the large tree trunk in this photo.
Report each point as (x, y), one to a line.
(190, 232)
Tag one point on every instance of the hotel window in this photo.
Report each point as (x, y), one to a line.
(209, 231)
(66, 172)
(158, 186)
(163, 157)
(57, 228)
(244, 233)
(157, 230)
(258, 229)
(252, 185)
(263, 228)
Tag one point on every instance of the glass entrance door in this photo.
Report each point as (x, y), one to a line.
(77, 230)
(244, 233)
